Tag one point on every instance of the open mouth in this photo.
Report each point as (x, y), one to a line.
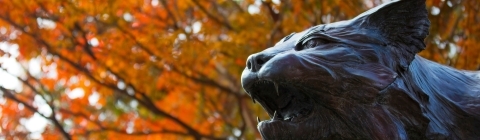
(282, 101)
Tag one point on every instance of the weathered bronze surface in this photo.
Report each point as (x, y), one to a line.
(362, 79)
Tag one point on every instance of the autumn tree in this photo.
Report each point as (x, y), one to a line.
(164, 69)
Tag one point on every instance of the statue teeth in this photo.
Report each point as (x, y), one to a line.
(275, 115)
(253, 99)
(258, 120)
(288, 118)
(276, 88)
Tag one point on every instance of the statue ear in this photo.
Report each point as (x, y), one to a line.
(404, 24)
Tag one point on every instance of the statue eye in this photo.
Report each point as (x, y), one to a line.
(311, 43)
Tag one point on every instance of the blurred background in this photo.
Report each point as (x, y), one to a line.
(167, 69)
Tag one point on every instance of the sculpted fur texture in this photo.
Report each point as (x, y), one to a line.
(363, 79)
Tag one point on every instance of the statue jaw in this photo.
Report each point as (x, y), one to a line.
(283, 102)
(289, 109)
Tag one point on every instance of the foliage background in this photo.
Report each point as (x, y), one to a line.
(167, 69)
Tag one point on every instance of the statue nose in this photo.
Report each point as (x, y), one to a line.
(256, 61)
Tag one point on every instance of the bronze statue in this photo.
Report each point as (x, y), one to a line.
(362, 79)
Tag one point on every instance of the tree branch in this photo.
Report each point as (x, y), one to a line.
(211, 16)
(170, 14)
(52, 118)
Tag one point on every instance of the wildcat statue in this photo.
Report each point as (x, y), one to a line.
(362, 79)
